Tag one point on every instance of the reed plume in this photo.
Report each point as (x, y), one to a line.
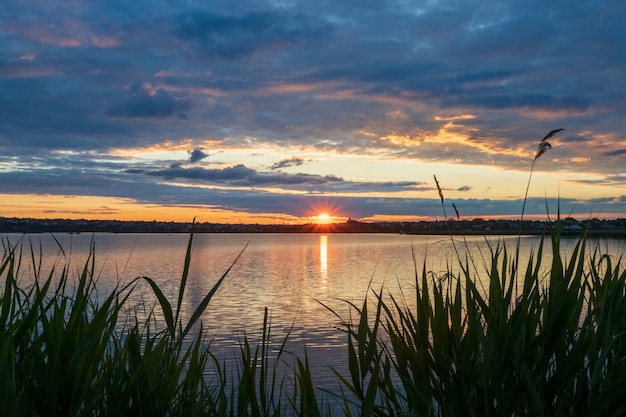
(458, 217)
(542, 148)
(445, 217)
(439, 189)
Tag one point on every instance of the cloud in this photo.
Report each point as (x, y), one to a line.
(197, 155)
(141, 188)
(293, 161)
(231, 35)
(142, 102)
(504, 101)
(601, 200)
(616, 152)
(242, 176)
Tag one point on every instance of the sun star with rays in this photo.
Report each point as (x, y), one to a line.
(323, 218)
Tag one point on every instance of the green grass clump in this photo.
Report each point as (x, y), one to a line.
(529, 344)
(66, 351)
(555, 347)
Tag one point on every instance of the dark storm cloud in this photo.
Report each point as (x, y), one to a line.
(140, 188)
(140, 102)
(537, 101)
(285, 163)
(197, 155)
(231, 35)
(242, 176)
(616, 152)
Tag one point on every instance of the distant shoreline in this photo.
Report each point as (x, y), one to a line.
(570, 227)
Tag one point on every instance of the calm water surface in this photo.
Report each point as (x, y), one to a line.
(293, 275)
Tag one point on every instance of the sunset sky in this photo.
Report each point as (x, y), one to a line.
(275, 112)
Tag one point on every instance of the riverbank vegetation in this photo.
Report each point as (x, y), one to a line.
(547, 338)
(458, 226)
(531, 343)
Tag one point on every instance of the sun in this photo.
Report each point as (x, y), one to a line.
(323, 212)
(323, 217)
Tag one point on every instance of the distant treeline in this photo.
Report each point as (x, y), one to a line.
(615, 227)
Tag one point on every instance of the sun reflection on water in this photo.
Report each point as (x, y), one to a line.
(324, 260)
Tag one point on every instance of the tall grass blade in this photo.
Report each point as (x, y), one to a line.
(207, 298)
(166, 307)
(185, 274)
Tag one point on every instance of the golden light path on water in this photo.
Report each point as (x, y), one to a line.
(324, 260)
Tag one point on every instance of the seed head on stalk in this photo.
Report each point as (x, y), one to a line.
(445, 217)
(456, 211)
(544, 145)
(439, 189)
(542, 148)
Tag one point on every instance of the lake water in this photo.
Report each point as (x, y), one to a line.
(294, 275)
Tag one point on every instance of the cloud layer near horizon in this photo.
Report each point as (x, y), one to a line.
(264, 107)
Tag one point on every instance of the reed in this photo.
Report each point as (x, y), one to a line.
(64, 353)
(555, 348)
(542, 148)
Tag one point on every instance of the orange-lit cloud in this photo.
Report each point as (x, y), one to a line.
(109, 208)
(287, 88)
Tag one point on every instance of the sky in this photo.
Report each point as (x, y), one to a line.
(276, 112)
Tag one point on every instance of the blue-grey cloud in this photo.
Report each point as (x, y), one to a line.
(537, 101)
(140, 102)
(601, 200)
(242, 176)
(231, 35)
(290, 162)
(616, 152)
(132, 185)
(197, 155)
